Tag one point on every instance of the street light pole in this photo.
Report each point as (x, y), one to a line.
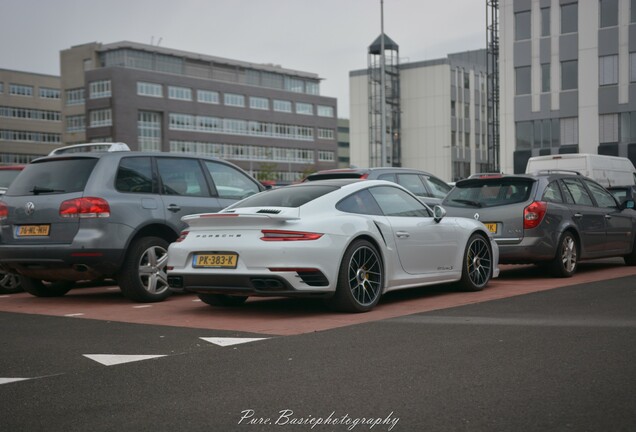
(383, 88)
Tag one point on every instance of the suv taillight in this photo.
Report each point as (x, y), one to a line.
(85, 208)
(533, 214)
(4, 211)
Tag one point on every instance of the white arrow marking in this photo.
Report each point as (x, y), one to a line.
(220, 341)
(10, 380)
(115, 359)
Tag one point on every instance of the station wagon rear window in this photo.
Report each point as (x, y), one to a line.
(479, 193)
(53, 176)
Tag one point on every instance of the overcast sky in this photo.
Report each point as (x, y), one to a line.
(326, 37)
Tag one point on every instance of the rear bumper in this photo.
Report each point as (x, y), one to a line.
(264, 285)
(60, 262)
(528, 250)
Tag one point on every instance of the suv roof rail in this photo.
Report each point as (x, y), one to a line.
(556, 171)
(88, 147)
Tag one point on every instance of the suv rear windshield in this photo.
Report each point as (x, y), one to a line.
(293, 196)
(53, 176)
(489, 192)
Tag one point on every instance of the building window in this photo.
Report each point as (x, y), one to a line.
(545, 21)
(609, 13)
(569, 131)
(207, 96)
(522, 25)
(608, 128)
(523, 132)
(632, 67)
(180, 93)
(294, 85)
(327, 134)
(259, 103)
(632, 11)
(304, 108)
(324, 111)
(99, 89)
(101, 117)
(545, 77)
(569, 75)
(149, 131)
(75, 123)
(522, 80)
(608, 70)
(149, 89)
(453, 114)
(50, 93)
(20, 90)
(569, 18)
(1, 87)
(282, 106)
(75, 96)
(236, 100)
(466, 110)
(326, 156)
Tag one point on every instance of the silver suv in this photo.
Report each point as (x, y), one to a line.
(549, 217)
(80, 215)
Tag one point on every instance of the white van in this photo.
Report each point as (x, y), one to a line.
(607, 170)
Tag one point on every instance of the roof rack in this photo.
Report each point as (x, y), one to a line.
(91, 147)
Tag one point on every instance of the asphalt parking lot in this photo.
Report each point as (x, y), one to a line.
(559, 358)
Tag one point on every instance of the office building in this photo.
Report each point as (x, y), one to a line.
(440, 126)
(30, 115)
(568, 79)
(159, 99)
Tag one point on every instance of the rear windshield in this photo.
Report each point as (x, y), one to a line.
(53, 176)
(7, 176)
(292, 196)
(489, 193)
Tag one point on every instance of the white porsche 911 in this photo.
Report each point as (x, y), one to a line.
(348, 241)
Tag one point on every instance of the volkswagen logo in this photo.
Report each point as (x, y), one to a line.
(29, 208)
(476, 216)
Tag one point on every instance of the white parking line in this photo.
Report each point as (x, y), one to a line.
(142, 306)
(73, 314)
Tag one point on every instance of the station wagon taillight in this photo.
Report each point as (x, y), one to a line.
(4, 211)
(85, 208)
(533, 214)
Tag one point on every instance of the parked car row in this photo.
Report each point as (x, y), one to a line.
(162, 222)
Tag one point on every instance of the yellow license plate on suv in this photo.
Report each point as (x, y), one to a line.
(33, 230)
(492, 227)
(215, 260)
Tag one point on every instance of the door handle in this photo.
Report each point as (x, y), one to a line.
(578, 215)
(608, 217)
(174, 208)
(402, 234)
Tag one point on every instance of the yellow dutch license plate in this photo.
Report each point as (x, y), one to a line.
(492, 227)
(214, 260)
(33, 230)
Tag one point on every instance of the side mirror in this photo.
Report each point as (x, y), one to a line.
(438, 213)
(627, 204)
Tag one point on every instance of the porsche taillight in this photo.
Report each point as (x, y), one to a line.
(183, 236)
(4, 211)
(282, 235)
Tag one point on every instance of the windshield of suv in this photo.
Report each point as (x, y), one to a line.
(489, 192)
(53, 176)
